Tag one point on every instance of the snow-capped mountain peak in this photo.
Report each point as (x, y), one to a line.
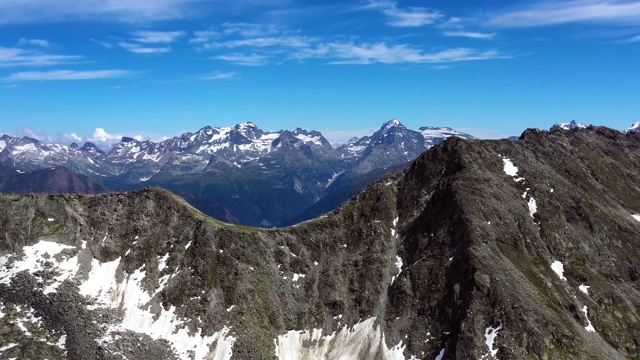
(393, 123)
(571, 125)
(634, 128)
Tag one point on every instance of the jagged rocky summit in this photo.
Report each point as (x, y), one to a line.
(526, 249)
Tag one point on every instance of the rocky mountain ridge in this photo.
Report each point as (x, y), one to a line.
(525, 249)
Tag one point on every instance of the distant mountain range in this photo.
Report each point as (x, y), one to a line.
(239, 174)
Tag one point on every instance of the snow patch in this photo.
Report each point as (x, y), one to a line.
(636, 216)
(533, 208)
(558, 268)
(51, 219)
(584, 288)
(509, 168)
(35, 258)
(589, 326)
(297, 276)
(162, 262)
(399, 266)
(490, 334)
(362, 340)
(440, 355)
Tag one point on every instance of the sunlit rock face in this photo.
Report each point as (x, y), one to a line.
(479, 250)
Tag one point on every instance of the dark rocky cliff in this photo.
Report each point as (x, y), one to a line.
(428, 263)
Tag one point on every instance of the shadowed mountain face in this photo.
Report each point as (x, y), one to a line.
(50, 180)
(526, 249)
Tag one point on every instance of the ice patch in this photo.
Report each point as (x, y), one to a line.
(490, 334)
(589, 326)
(584, 288)
(558, 267)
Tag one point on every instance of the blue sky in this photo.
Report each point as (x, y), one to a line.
(99, 69)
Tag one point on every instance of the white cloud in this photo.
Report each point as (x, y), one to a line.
(547, 13)
(33, 42)
(67, 75)
(219, 75)
(368, 53)
(157, 37)
(406, 17)
(244, 59)
(470, 34)
(101, 135)
(14, 57)
(140, 49)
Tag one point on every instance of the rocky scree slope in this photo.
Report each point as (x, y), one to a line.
(526, 249)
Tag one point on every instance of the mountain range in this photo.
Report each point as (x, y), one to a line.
(239, 174)
(479, 249)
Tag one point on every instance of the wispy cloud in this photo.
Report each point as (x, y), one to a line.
(33, 42)
(157, 37)
(470, 34)
(250, 30)
(561, 12)
(286, 41)
(204, 36)
(130, 11)
(141, 49)
(634, 39)
(371, 53)
(21, 11)
(67, 75)
(404, 17)
(244, 59)
(219, 75)
(104, 44)
(14, 57)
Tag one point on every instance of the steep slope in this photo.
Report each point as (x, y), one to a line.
(525, 249)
